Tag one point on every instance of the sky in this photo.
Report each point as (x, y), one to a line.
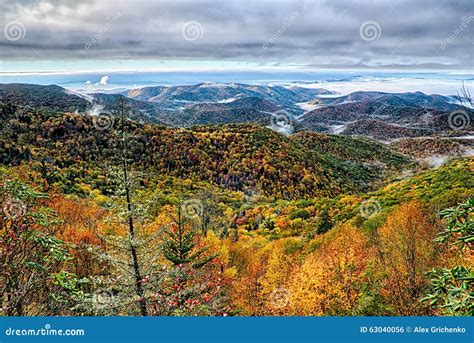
(105, 35)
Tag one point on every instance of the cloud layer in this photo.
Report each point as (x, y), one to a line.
(332, 34)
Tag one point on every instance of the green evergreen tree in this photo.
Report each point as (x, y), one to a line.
(326, 223)
(181, 241)
(452, 290)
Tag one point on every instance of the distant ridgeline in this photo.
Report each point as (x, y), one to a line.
(384, 116)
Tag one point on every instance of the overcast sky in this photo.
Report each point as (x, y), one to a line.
(430, 34)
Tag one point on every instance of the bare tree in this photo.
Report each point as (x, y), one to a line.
(465, 99)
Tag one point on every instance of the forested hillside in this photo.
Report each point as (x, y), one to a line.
(235, 157)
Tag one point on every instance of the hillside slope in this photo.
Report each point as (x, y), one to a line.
(236, 157)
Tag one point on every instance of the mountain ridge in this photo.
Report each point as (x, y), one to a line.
(381, 115)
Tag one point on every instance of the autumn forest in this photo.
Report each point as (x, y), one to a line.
(109, 215)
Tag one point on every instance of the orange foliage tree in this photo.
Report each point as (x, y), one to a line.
(82, 221)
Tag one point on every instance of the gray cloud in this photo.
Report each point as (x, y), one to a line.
(419, 33)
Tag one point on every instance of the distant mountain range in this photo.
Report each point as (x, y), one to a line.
(384, 116)
(178, 96)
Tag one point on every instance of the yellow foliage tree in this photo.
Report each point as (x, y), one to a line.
(280, 266)
(330, 280)
(405, 253)
(250, 261)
